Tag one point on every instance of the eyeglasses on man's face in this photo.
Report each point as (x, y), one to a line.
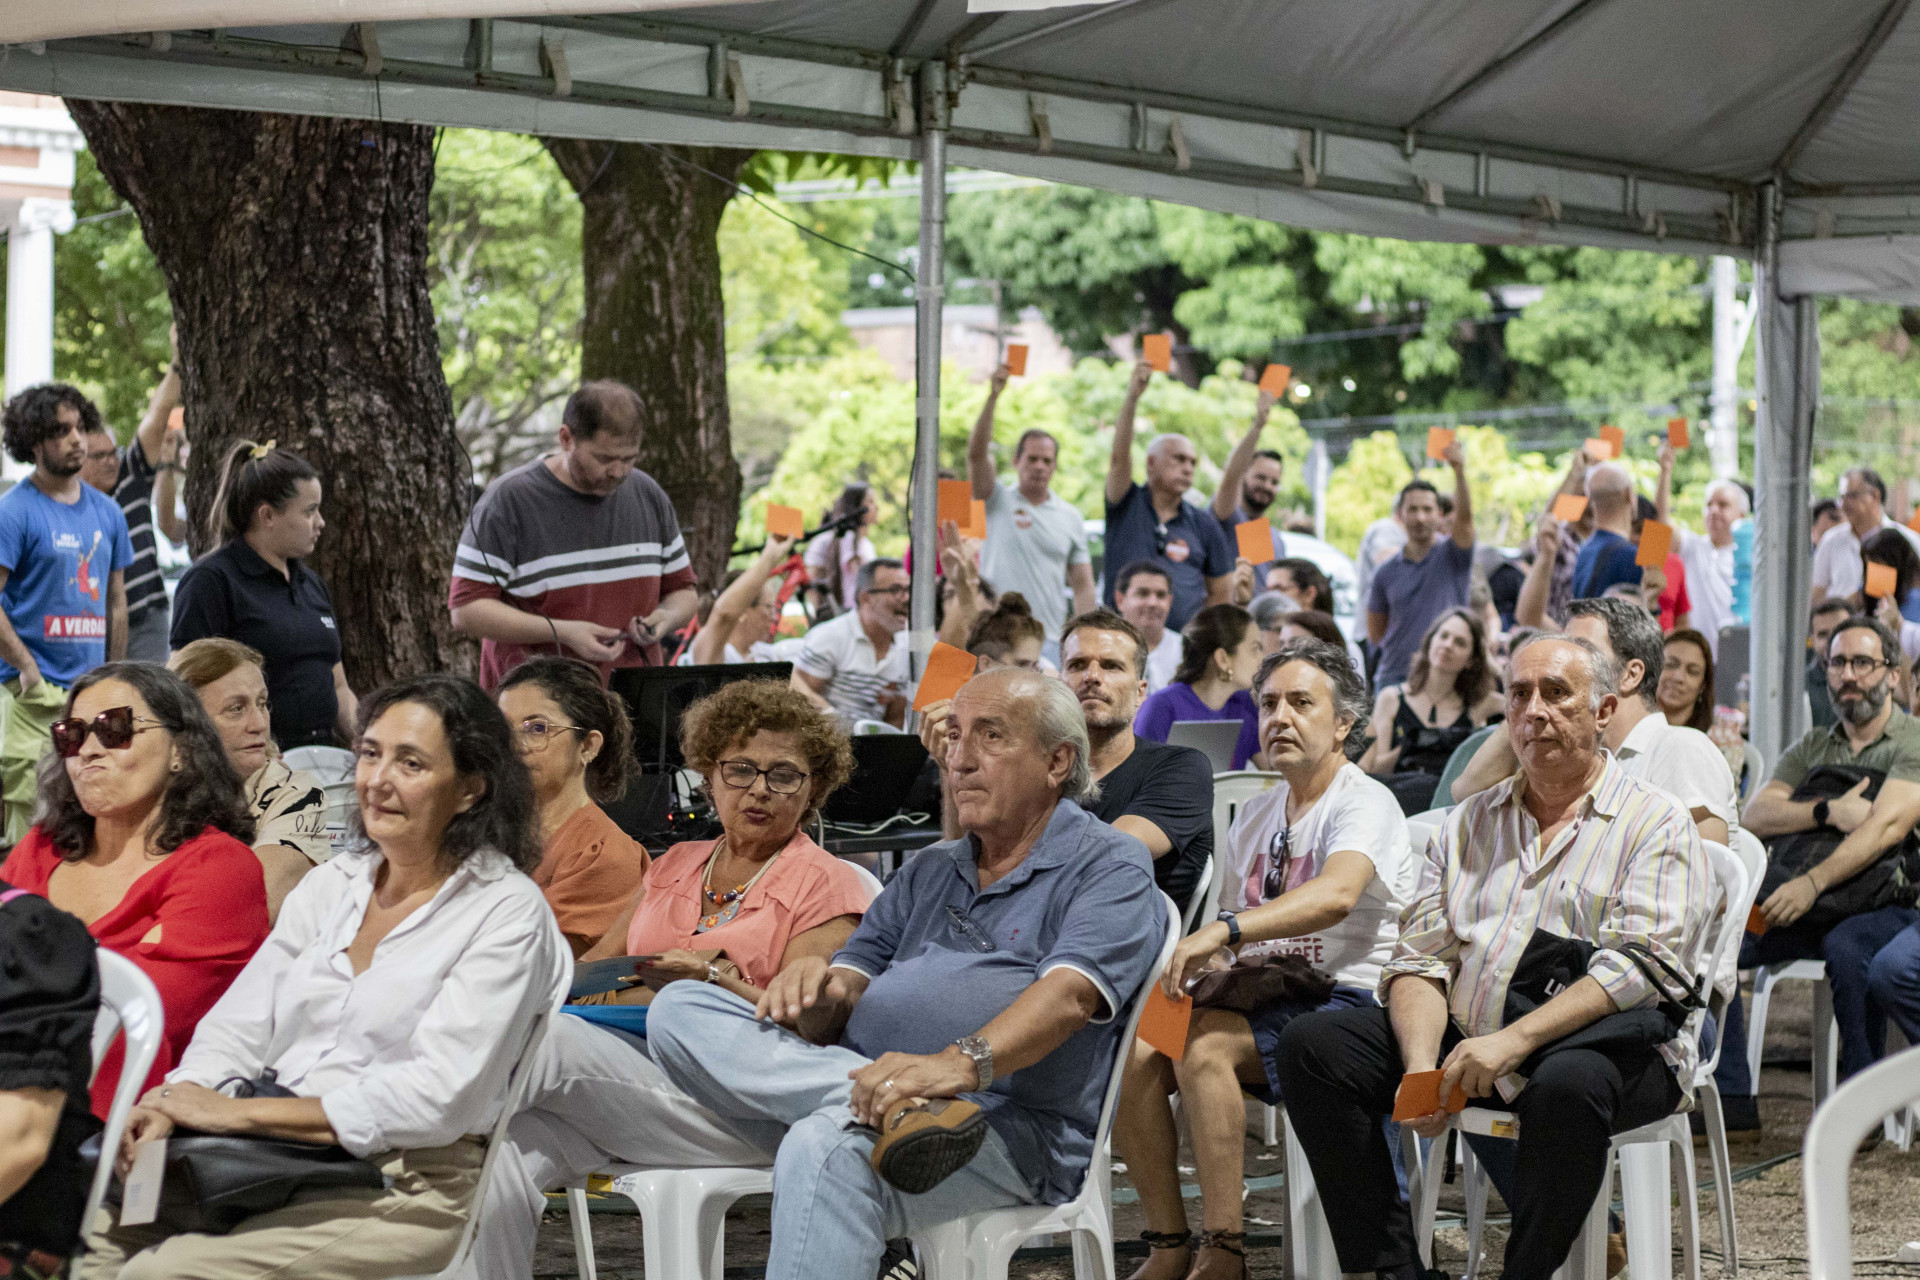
(1859, 665)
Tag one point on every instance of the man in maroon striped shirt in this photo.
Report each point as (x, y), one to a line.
(577, 551)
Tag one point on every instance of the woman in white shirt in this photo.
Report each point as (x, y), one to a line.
(393, 997)
(1318, 867)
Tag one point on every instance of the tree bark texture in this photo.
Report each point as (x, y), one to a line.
(295, 252)
(654, 319)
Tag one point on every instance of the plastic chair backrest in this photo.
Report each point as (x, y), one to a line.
(1125, 1052)
(510, 1106)
(1752, 855)
(1852, 1111)
(868, 879)
(1458, 761)
(1421, 826)
(1205, 890)
(1231, 790)
(1739, 887)
(129, 1004)
(1753, 773)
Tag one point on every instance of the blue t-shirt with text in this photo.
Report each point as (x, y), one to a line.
(58, 557)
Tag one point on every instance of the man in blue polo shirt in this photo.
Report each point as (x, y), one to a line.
(1154, 521)
(963, 1038)
(1431, 574)
(64, 551)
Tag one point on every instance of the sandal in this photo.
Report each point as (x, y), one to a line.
(1161, 1240)
(1233, 1243)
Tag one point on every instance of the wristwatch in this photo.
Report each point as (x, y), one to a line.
(977, 1048)
(1232, 921)
(1819, 813)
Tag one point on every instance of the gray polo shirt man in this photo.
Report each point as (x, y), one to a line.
(947, 957)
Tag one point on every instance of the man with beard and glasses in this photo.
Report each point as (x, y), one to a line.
(1872, 733)
(64, 553)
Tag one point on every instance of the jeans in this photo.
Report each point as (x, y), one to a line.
(1893, 980)
(1848, 949)
(832, 1213)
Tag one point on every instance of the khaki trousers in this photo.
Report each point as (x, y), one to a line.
(25, 740)
(410, 1229)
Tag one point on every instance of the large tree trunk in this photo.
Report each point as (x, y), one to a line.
(649, 240)
(295, 251)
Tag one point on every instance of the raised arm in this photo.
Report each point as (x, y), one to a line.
(1226, 499)
(1120, 461)
(980, 439)
(710, 646)
(1531, 608)
(1455, 456)
(1663, 489)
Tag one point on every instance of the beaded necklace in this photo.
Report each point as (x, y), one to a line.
(726, 904)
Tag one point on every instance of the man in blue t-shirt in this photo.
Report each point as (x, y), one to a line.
(1609, 556)
(1430, 575)
(1155, 522)
(64, 551)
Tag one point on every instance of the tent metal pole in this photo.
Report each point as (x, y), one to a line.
(929, 300)
(1787, 359)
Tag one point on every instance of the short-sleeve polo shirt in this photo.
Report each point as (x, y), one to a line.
(1896, 751)
(289, 618)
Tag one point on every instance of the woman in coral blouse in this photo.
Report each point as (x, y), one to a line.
(143, 835)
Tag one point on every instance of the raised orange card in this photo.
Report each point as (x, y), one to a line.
(1017, 359)
(1598, 450)
(1163, 1022)
(1756, 921)
(1677, 432)
(1656, 540)
(1275, 378)
(1419, 1095)
(1438, 438)
(1569, 507)
(1256, 539)
(1881, 580)
(1615, 437)
(976, 526)
(947, 669)
(176, 419)
(956, 503)
(1157, 350)
(785, 522)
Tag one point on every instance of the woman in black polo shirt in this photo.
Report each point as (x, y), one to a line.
(255, 589)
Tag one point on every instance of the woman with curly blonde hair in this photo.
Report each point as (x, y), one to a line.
(732, 912)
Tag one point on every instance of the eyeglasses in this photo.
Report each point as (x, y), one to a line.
(1859, 664)
(539, 735)
(782, 779)
(1279, 862)
(1159, 539)
(114, 727)
(889, 591)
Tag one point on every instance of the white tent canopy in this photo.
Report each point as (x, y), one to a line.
(1772, 128)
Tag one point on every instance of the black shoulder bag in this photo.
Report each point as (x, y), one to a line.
(1893, 881)
(1551, 964)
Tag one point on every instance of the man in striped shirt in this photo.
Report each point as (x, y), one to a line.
(1569, 846)
(855, 665)
(140, 477)
(578, 551)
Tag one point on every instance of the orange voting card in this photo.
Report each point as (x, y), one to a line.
(1274, 379)
(1419, 1095)
(947, 669)
(1017, 359)
(1881, 580)
(1438, 438)
(1256, 539)
(1913, 521)
(1163, 1022)
(1569, 507)
(1157, 350)
(976, 526)
(177, 419)
(1598, 450)
(1756, 921)
(1677, 432)
(785, 522)
(956, 503)
(1656, 540)
(1615, 438)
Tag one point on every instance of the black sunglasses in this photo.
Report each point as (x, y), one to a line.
(1279, 860)
(114, 727)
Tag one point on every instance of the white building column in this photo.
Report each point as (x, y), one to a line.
(29, 358)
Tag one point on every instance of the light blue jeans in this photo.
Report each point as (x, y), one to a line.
(832, 1214)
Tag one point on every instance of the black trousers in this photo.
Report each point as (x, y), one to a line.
(1339, 1070)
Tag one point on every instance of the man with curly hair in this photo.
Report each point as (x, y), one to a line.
(64, 551)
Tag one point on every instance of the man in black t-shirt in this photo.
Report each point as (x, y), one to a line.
(1160, 794)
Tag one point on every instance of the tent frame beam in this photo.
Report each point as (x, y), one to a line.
(1579, 9)
(1842, 85)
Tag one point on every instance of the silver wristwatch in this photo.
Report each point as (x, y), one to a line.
(977, 1048)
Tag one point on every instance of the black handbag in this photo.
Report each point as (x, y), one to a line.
(1551, 964)
(1892, 881)
(216, 1181)
(1254, 984)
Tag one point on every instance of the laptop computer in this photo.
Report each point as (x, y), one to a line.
(1215, 739)
(886, 767)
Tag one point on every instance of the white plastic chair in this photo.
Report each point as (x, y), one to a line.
(1752, 865)
(1205, 890)
(1826, 1031)
(1231, 790)
(1856, 1107)
(511, 1102)
(981, 1246)
(129, 1005)
(1421, 826)
(683, 1212)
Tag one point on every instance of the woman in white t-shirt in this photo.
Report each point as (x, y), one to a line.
(833, 559)
(1318, 866)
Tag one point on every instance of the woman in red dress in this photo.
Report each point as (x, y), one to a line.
(143, 835)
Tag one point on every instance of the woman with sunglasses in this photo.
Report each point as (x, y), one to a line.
(143, 833)
(761, 896)
(1318, 866)
(576, 741)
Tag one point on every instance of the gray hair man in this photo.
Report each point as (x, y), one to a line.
(1708, 557)
(1836, 561)
(954, 1055)
(855, 665)
(1571, 847)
